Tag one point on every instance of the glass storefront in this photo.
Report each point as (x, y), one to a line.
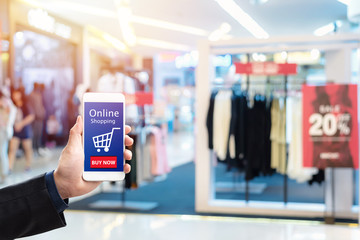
(268, 185)
(247, 179)
(48, 61)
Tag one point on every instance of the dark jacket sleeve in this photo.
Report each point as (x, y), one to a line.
(26, 209)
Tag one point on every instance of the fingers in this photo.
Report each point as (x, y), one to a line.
(76, 131)
(127, 129)
(78, 126)
(127, 154)
(127, 168)
(128, 141)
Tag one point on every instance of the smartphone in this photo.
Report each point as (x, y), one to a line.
(104, 136)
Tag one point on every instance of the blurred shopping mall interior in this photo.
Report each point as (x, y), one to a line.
(244, 113)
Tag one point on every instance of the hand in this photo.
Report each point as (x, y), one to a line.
(18, 127)
(68, 174)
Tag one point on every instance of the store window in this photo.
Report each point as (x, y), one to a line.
(262, 179)
(50, 62)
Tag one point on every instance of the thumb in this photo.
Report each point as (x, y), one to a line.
(76, 131)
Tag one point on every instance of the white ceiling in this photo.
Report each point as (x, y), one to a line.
(277, 17)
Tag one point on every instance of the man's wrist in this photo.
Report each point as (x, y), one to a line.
(60, 188)
(55, 196)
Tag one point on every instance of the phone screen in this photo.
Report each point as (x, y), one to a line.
(103, 136)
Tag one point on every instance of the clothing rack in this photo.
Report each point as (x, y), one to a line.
(285, 90)
(124, 204)
(329, 219)
(285, 82)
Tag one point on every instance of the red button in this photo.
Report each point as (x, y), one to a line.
(103, 162)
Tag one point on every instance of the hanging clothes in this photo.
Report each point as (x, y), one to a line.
(295, 169)
(318, 178)
(278, 136)
(266, 169)
(240, 135)
(149, 157)
(147, 176)
(221, 123)
(159, 161)
(238, 131)
(256, 138)
(210, 118)
(139, 158)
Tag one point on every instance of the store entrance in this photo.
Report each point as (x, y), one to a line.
(50, 63)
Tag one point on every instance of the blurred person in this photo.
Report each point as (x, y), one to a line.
(49, 104)
(7, 118)
(36, 101)
(52, 129)
(49, 98)
(22, 129)
(38, 205)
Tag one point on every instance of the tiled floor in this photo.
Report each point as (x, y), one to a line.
(39, 166)
(180, 148)
(115, 226)
(108, 226)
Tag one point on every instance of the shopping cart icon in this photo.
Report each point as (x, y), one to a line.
(103, 140)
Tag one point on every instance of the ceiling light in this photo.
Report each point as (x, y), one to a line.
(215, 35)
(262, 58)
(328, 28)
(243, 18)
(124, 14)
(225, 27)
(254, 56)
(169, 26)
(220, 32)
(315, 53)
(162, 44)
(108, 38)
(115, 42)
(226, 37)
(324, 30)
(259, 57)
(346, 2)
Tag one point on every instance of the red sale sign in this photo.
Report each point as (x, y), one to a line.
(139, 98)
(266, 68)
(330, 126)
